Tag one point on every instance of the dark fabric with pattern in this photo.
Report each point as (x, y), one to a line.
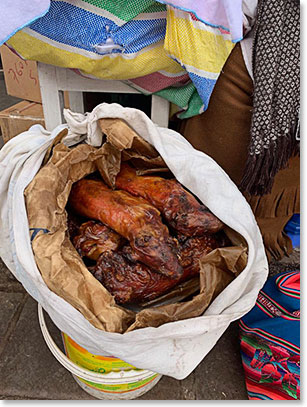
(276, 99)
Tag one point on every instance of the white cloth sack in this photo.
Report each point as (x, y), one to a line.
(175, 348)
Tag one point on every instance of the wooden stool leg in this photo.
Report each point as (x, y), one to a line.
(52, 99)
(159, 111)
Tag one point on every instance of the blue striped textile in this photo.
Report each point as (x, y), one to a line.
(74, 26)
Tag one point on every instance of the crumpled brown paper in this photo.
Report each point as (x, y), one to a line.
(125, 144)
(63, 269)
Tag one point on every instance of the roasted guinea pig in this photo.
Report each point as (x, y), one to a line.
(133, 218)
(131, 281)
(94, 238)
(191, 249)
(179, 207)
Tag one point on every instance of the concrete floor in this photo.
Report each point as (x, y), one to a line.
(28, 371)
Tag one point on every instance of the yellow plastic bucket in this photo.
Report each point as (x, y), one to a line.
(103, 377)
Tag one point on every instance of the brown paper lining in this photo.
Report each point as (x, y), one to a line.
(63, 269)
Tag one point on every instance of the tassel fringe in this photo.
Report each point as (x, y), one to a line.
(261, 169)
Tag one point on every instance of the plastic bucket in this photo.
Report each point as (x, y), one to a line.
(101, 376)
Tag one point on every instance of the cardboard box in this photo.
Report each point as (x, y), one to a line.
(21, 77)
(19, 118)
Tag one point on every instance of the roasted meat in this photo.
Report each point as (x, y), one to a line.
(191, 249)
(179, 207)
(95, 238)
(131, 217)
(130, 281)
(73, 225)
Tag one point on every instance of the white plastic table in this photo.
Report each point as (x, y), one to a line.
(54, 80)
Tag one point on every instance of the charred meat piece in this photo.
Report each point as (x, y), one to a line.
(131, 217)
(73, 225)
(191, 249)
(179, 207)
(95, 238)
(133, 256)
(130, 281)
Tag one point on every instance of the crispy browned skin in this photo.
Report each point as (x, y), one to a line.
(130, 281)
(180, 208)
(192, 248)
(95, 238)
(131, 217)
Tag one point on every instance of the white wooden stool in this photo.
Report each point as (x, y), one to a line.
(54, 80)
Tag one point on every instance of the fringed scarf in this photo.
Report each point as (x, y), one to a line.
(276, 99)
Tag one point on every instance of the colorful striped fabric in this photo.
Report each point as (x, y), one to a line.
(142, 42)
(88, 36)
(225, 14)
(270, 340)
(199, 48)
